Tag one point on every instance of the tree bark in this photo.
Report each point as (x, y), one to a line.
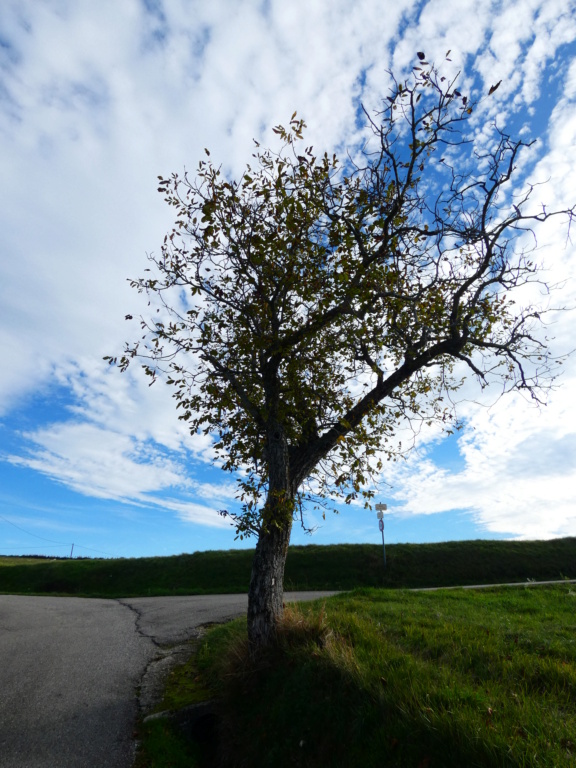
(266, 593)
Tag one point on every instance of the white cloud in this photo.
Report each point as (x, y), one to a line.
(104, 464)
(124, 442)
(519, 470)
(100, 462)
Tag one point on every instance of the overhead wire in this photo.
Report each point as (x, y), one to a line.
(54, 543)
(59, 543)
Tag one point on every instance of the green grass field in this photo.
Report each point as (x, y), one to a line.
(15, 561)
(340, 567)
(378, 677)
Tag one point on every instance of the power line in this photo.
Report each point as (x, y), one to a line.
(53, 546)
(59, 543)
(54, 543)
(79, 546)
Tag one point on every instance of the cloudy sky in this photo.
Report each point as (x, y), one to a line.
(96, 101)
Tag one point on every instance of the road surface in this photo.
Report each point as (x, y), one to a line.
(71, 670)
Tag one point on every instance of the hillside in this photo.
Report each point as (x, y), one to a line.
(341, 567)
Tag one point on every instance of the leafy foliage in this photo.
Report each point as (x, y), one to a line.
(320, 303)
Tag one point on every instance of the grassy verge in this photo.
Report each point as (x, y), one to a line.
(339, 567)
(448, 679)
(162, 743)
(163, 746)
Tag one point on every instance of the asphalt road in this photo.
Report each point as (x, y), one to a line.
(72, 670)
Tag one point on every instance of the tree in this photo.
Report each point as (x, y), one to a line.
(308, 308)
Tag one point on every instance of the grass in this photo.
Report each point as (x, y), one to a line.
(15, 561)
(162, 743)
(164, 747)
(338, 567)
(379, 677)
(198, 573)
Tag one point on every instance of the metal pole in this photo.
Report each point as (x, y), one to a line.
(72, 550)
(381, 508)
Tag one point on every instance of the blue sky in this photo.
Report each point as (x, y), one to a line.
(96, 101)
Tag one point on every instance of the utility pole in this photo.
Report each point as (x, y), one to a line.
(381, 508)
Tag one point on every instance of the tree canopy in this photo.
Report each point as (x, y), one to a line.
(308, 307)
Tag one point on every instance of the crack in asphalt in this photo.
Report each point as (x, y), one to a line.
(152, 682)
(138, 621)
(149, 686)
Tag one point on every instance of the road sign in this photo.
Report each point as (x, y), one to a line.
(380, 509)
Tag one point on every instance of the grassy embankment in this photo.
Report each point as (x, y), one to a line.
(341, 567)
(390, 677)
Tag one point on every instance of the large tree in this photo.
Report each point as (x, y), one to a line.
(307, 308)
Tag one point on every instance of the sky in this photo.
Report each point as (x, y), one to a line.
(99, 99)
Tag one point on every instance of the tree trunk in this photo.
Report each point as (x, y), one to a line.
(266, 594)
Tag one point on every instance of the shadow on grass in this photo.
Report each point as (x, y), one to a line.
(307, 702)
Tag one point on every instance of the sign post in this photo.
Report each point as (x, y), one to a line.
(381, 508)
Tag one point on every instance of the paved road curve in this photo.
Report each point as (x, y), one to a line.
(70, 669)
